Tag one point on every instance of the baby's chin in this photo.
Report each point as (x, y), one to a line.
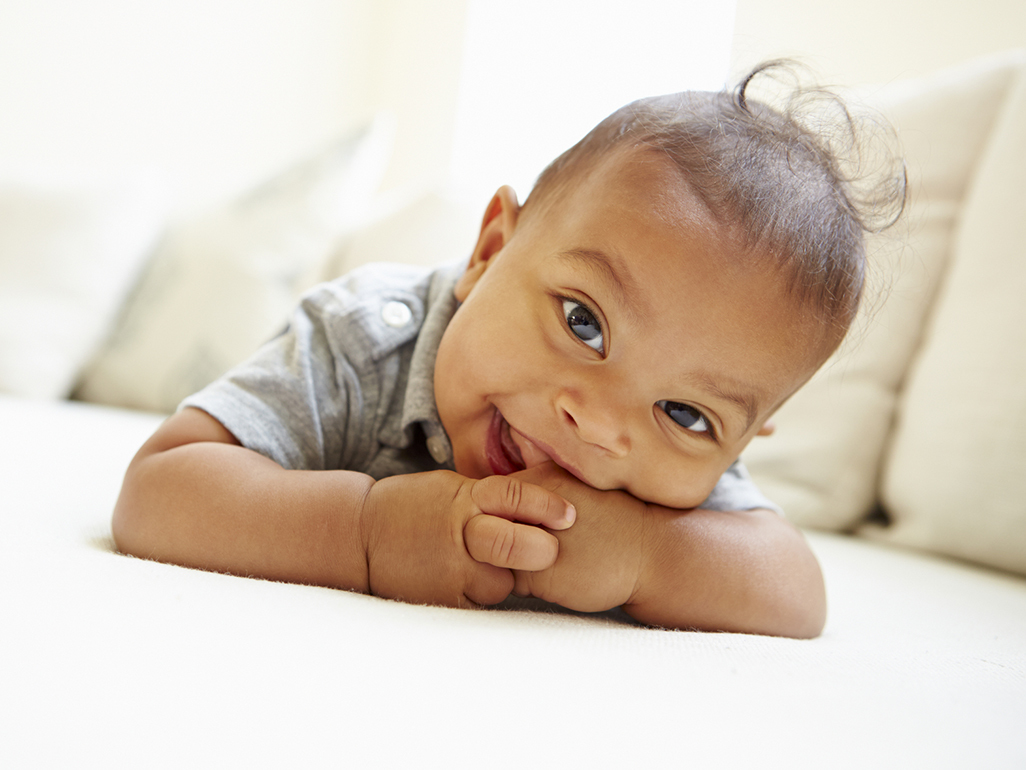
(674, 499)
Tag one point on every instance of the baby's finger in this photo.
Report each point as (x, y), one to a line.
(489, 585)
(517, 500)
(501, 543)
(522, 583)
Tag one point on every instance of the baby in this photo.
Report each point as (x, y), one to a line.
(561, 416)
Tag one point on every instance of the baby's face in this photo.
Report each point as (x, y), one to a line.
(617, 334)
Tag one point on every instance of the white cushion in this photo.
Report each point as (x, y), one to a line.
(110, 658)
(955, 480)
(222, 283)
(68, 255)
(822, 465)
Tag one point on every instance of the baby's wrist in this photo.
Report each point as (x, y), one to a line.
(653, 516)
(366, 519)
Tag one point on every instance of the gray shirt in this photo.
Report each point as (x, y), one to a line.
(350, 383)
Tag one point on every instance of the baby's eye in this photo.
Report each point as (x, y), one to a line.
(583, 324)
(685, 416)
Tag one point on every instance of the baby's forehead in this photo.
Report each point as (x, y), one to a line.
(639, 186)
(637, 171)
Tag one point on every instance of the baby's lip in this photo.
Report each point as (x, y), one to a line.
(506, 446)
(548, 453)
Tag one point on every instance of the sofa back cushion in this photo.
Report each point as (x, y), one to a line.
(955, 477)
(69, 252)
(823, 464)
(223, 281)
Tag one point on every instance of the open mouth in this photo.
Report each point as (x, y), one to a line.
(502, 452)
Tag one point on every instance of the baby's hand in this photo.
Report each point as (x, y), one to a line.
(442, 538)
(600, 559)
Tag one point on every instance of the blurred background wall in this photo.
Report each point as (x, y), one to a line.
(875, 41)
(213, 95)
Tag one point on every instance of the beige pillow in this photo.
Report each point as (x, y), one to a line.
(822, 465)
(425, 228)
(955, 477)
(222, 283)
(69, 254)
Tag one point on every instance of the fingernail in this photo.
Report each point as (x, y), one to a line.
(571, 514)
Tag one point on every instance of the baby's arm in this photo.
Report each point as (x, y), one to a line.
(745, 571)
(193, 496)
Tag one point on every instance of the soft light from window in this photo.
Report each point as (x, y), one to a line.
(539, 74)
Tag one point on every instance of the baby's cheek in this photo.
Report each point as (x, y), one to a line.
(677, 487)
(465, 464)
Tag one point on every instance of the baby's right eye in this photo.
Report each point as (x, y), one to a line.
(686, 416)
(583, 324)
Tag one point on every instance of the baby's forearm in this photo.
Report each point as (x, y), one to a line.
(214, 505)
(748, 571)
(745, 571)
(193, 496)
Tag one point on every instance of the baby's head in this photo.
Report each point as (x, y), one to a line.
(669, 283)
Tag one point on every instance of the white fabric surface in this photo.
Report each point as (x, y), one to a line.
(823, 464)
(69, 252)
(955, 480)
(113, 661)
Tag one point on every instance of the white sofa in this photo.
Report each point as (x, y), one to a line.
(905, 459)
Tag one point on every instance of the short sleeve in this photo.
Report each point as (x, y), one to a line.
(294, 400)
(735, 491)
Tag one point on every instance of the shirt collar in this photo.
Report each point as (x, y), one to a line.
(419, 406)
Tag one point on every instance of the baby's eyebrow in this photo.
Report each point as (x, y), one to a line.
(615, 274)
(740, 397)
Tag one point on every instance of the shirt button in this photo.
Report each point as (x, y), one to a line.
(438, 449)
(396, 314)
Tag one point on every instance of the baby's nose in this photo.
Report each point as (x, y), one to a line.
(596, 422)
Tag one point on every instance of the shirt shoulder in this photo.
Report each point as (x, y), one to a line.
(370, 312)
(324, 393)
(736, 491)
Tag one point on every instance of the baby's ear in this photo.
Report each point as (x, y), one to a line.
(497, 227)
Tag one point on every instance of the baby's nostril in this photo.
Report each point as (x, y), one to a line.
(569, 417)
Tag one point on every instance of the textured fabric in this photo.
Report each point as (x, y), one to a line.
(350, 384)
(955, 478)
(108, 659)
(342, 388)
